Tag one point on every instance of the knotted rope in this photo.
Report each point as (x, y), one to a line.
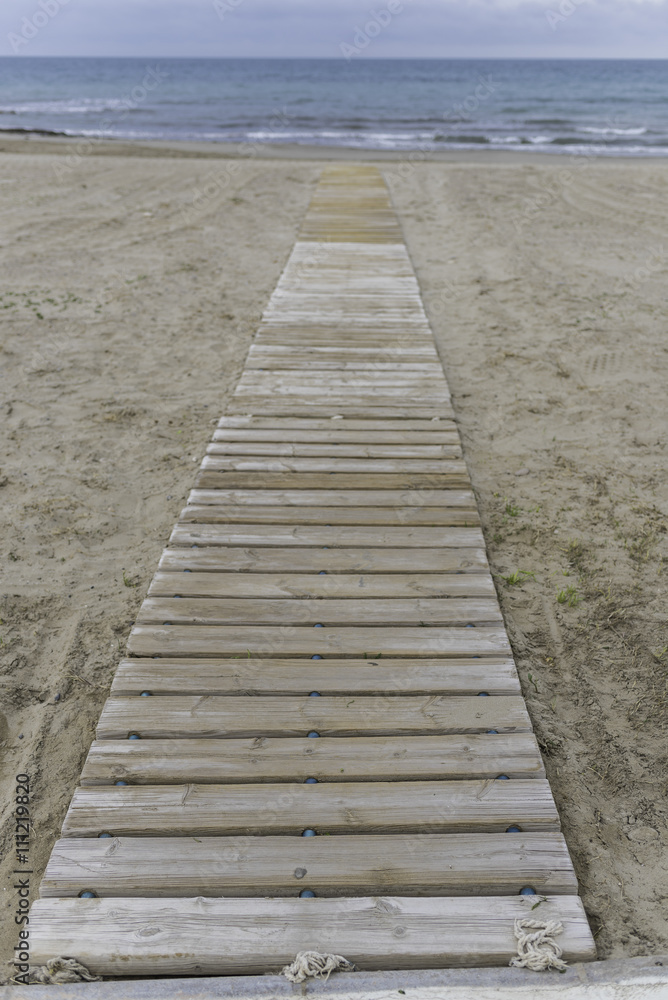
(313, 965)
(60, 971)
(536, 948)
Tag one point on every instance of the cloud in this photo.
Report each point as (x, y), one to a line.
(302, 28)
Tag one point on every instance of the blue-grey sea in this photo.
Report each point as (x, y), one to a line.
(603, 106)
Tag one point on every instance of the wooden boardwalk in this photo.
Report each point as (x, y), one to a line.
(317, 739)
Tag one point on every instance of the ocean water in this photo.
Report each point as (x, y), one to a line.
(553, 106)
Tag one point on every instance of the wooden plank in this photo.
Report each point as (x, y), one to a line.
(306, 363)
(355, 758)
(288, 809)
(405, 500)
(328, 677)
(270, 406)
(426, 516)
(342, 436)
(321, 536)
(370, 466)
(210, 717)
(334, 450)
(366, 465)
(386, 383)
(355, 609)
(289, 393)
(347, 423)
(271, 640)
(426, 353)
(213, 480)
(214, 937)
(429, 865)
(314, 585)
(315, 560)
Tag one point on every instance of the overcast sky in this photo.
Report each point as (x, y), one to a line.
(319, 28)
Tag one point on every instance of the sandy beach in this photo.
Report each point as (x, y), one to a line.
(133, 279)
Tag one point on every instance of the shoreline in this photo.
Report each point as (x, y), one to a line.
(35, 143)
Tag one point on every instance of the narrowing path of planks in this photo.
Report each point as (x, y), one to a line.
(317, 739)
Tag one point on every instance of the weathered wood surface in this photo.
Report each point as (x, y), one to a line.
(243, 936)
(288, 809)
(330, 516)
(321, 649)
(329, 677)
(185, 716)
(208, 479)
(354, 758)
(429, 865)
(338, 436)
(355, 587)
(337, 424)
(324, 610)
(334, 450)
(296, 640)
(324, 536)
(316, 560)
(434, 501)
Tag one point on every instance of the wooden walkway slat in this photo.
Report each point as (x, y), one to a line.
(218, 937)
(345, 807)
(430, 501)
(429, 865)
(296, 640)
(322, 536)
(452, 517)
(318, 693)
(218, 717)
(353, 758)
(324, 610)
(355, 587)
(329, 677)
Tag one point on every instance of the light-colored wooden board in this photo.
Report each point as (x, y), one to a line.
(426, 353)
(329, 516)
(334, 450)
(383, 677)
(386, 383)
(322, 536)
(322, 394)
(315, 585)
(351, 610)
(261, 463)
(259, 422)
(355, 758)
(306, 363)
(196, 937)
(339, 437)
(356, 481)
(272, 640)
(315, 560)
(211, 717)
(328, 808)
(434, 500)
(270, 406)
(430, 865)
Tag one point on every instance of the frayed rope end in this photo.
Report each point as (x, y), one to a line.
(313, 965)
(61, 971)
(536, 948)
